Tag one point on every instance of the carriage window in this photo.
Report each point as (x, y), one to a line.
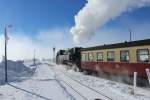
(99, 56)
(143, 55)
(83, 57)
(110, 56)
(91, 57)
(86, 57)
(124, 55)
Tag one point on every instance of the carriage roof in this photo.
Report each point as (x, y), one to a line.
(119, 45)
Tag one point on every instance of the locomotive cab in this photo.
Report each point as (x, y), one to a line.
(71, 57)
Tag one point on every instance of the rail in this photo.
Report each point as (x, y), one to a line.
(82, 85)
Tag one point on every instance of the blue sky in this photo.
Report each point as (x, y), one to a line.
(33, 15)
(42, 24)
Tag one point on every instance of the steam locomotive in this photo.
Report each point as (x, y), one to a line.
(70, 57)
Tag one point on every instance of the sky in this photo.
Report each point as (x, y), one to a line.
(43, 24)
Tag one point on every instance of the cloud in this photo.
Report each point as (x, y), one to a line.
(21, 46)
(98, 12)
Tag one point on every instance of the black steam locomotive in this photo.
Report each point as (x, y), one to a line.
(70, 57)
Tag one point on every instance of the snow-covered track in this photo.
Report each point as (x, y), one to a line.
(59, 82)
(79, 84)
(74, 90)
(86, 86)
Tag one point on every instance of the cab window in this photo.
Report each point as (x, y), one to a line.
(124, 56)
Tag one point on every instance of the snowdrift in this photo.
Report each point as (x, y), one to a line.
(16, 71)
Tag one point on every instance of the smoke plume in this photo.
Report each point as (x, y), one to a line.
(97, 12)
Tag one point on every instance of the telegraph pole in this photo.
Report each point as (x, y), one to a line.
(6, 41)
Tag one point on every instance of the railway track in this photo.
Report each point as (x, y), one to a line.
(70, 85)
(59, 80)
(74, 89)
(87, 86)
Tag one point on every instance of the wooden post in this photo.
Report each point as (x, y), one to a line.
(135, 79)
(148, 74)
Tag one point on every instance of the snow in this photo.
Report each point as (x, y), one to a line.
(41, 85)
(16, 69)
(51, 82)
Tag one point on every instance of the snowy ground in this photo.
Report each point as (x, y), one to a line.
(53, 82)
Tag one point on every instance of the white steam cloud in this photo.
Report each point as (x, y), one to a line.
(97, 12)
